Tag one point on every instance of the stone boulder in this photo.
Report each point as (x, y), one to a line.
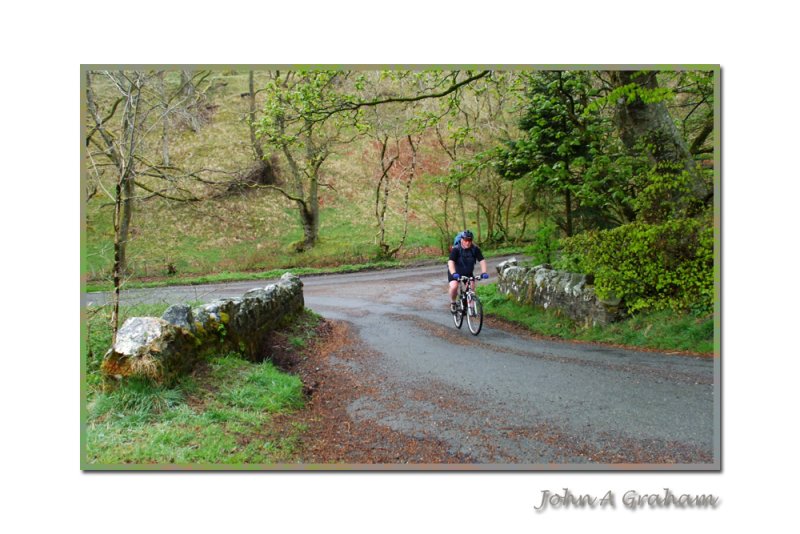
(151, 348)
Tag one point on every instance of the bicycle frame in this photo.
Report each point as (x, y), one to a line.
(466, 284)
(469, 305)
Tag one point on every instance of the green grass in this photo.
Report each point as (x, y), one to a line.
(221, 415)
(664, 331)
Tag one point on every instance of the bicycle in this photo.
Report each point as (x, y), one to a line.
(469, 305)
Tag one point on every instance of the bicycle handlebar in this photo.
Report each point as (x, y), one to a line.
(470, 278)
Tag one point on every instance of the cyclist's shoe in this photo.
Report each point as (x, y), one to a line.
(453, 307)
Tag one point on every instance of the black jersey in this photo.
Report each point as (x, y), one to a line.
(465, 259)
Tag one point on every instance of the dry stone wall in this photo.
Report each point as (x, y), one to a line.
(165, 348)
(572, 294)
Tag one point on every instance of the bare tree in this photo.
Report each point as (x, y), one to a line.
(118, 149)
(121, 151)
(404, 164)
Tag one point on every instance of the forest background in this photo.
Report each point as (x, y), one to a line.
(198, 175)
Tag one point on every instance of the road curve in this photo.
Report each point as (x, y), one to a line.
(503, 399)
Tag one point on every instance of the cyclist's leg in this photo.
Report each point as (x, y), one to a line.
(453, 290)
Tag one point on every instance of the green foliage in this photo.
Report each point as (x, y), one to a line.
(631, 93)
(663, 194)
(652, 267)
(570, 152)
(250, 230)
(545, 244)
(295, 110)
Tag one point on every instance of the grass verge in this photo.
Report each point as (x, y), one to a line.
(231, 411)
(665, 331)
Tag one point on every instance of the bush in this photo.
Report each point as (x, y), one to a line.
(651, 266)
(545, 244)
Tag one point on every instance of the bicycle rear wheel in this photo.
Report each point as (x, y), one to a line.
(458, 316)
(475, 316)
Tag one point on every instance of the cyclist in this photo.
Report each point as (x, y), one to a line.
(462, 263)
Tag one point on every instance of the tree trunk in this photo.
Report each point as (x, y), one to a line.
(568, 202)
(407, 197)
(164, 120)
(446, 222)
(382, 196)
(125, 220)
(311, 211)
(187, 87)
(118, 261)
(478, 221)
(310, 217)
(507, 223)
(650, 126)
(128, 167)
(189, 90)
(460, 197)
(257, 148)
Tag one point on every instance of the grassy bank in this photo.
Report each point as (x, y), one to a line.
(664, 331)
(227, 412)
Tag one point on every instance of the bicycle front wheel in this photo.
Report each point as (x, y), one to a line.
(475, 316)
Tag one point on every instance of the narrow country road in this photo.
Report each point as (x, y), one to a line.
(503, 399)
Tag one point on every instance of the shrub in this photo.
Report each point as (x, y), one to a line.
(545, 244)
(651, 266)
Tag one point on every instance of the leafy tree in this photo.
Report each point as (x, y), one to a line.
(293, 125)
(309, 114)
(567, 150)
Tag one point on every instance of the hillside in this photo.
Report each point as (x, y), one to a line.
(257, 229)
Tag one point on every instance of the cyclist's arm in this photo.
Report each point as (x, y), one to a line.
(451, 266)
(483, 266)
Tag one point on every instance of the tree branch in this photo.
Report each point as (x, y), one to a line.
(162, 195)
(353, 106)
